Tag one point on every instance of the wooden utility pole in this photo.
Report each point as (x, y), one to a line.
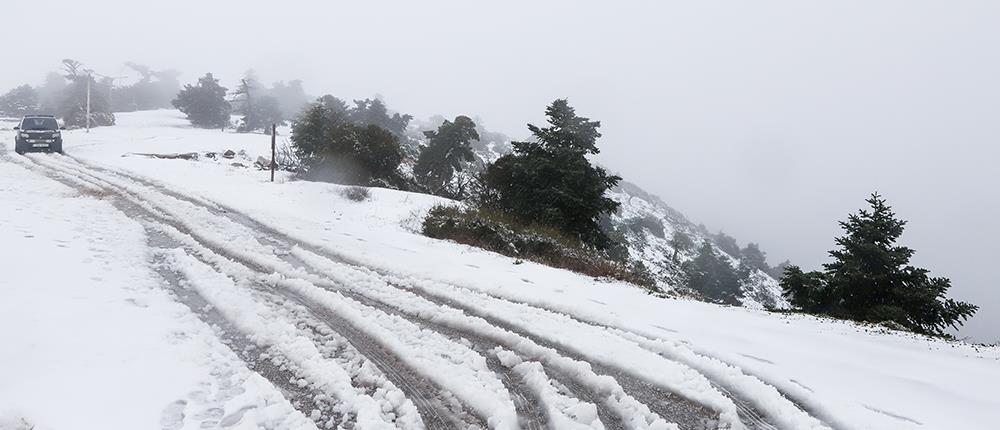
(274, 163)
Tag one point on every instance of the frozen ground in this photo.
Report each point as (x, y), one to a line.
(380, 327)
(90, 341)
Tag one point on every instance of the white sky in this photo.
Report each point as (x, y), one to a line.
(770, 120)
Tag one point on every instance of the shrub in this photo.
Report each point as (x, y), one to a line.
(332, 148)
(356, 194)
(504, 234)
(650, 223)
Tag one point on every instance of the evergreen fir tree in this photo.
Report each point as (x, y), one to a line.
(874, 281)
(375, 112)
(871, 279)
(73, 108)
(336, 149)
(550, 181)
(204, 104)
(752, 256)
(711, 275)
(259, 111)
(378, 154)
(448, 149)
(680, 242)
(806, 290)
(727, 244)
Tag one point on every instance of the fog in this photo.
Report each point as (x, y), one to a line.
(768, 120)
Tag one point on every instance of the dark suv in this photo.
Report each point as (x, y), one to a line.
(38, 133)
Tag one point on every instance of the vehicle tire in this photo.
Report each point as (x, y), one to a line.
(18, 149)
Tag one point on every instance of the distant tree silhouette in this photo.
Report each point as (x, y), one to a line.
(205, 104)
(19, 101)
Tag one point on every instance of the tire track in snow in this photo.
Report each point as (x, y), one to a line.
(304, 399)
(531, 414)
(748, 414)
(657, 397)
(688, 414)
(434, 410)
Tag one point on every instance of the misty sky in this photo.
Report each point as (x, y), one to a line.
(770, 120)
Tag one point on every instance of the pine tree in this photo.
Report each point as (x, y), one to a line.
(806, 290)
(871, 279)
(874, 280)
(549, 180)
(727, 244)
(259, 111)
(375, 112)
(751, 256)
(204, 104)
(680, 242)
(73, 108)
(313, 131)
(336, 149)
(378, 153)
(711, 275)
(448, 149)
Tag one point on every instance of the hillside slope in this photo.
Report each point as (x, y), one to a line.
(647, 224)
(848, 375)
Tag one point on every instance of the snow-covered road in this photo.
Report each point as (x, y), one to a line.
(440, 356)
(195, 312)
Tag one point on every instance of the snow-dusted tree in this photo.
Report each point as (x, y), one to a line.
(259, 111)
(447, 151)
(73, 108)
(73, 101)
(204, 104)
(375, 112)
(710, 274)
(752, 257)
(334, 148)
(871, 279)
(550, 181)
(680, 242)
(19, 101)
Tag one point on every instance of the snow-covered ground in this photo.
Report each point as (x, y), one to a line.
(90, 341)
(86, 326)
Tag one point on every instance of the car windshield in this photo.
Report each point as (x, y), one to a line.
(39, 124)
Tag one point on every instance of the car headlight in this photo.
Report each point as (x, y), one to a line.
(25, 135)
(56, 135)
